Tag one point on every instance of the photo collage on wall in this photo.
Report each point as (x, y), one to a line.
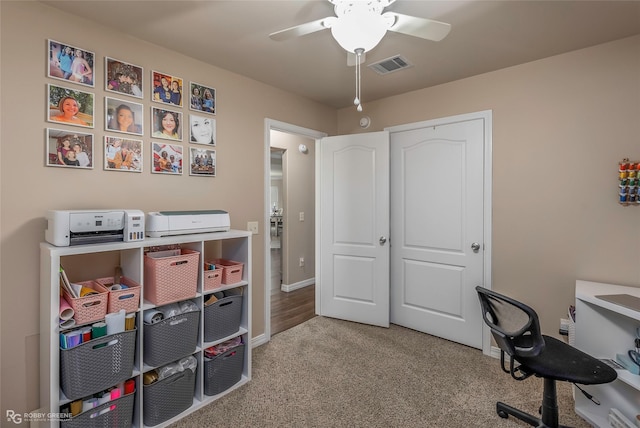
(72, 103)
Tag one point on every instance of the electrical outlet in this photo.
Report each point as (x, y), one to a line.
(301, 261)
(252, 226)
(301, 216)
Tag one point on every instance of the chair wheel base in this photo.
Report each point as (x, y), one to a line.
(504, 411)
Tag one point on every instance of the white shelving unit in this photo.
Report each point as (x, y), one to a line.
(100, 258)
(604, 329)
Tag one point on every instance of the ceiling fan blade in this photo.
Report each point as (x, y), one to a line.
(302, 29)
(419, 27)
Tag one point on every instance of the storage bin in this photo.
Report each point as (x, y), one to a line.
(222, 318)
(127, 299)
(118, 414)
(212, 279)
(171, 338)
(168, 397)
(223, 371)
(97, 364)
(89, 308)
(231, 271)
(168, 279)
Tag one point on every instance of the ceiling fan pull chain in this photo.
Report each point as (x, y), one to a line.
(357, 101)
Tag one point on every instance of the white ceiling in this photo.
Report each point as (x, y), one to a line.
(485, 36)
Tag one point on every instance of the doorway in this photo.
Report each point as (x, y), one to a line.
(290, 214)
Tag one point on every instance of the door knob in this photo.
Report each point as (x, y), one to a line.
(382, 240)
(475, 247)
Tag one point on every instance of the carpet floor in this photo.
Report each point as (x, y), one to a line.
(332, 373)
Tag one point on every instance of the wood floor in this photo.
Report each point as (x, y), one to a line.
(292, 308)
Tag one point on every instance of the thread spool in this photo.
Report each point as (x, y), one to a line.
(98, 329)
(74, 338)
(75, 407)
(130, 321)
(64, 324)
(86, 334)
(129, 386)
(149, 377)
(153, 316)
(115, 322)
(86, 291)
(89, 404)
(66, 311)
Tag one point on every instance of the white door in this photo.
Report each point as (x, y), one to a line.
(437, 183)
(353, 227)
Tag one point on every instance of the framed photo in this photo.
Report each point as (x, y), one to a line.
(166, 88)
(71, 63)
(166, 124)
(69, 149)
(202, 98)
(70, 106)
(202, 129)
(123, 116)
(123, 78)
(202, 162)
(122, 154)
(167, 158)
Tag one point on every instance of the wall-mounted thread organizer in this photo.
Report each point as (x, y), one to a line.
(629, 182)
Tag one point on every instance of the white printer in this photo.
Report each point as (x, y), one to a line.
(78, 227)
(167, 223)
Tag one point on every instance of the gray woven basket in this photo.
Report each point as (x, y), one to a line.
(222, 318)
(88, 368)
(171, 339)
(168, 397)
(120, 416)
(223, 371)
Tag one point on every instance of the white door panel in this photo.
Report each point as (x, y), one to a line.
(439, 188)
(353, 283)
(423, 280)
(437, 213)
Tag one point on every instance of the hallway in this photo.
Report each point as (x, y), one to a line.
(292, 308)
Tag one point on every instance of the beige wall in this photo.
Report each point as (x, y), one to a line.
(28, 188)
(299, 197)
(560, 126)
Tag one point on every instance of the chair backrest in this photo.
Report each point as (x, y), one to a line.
(514, 325)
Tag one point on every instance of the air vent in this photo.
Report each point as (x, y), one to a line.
(390, 65)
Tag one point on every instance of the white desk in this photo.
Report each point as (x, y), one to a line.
(604, 329)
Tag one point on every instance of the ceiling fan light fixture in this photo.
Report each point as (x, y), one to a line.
(359, 29)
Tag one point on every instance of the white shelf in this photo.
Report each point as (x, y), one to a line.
(233, 245)
(604, 329)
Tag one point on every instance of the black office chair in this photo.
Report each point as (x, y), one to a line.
(516, 330)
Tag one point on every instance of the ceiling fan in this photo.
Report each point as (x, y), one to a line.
(359, 25)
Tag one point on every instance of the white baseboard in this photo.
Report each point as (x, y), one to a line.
(295, 286)
(258, 340)
(495, 352)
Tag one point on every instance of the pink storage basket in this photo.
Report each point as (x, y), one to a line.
(212, 279)
(127, 299)
(231, 271)
(89, 308)
(171, 278)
